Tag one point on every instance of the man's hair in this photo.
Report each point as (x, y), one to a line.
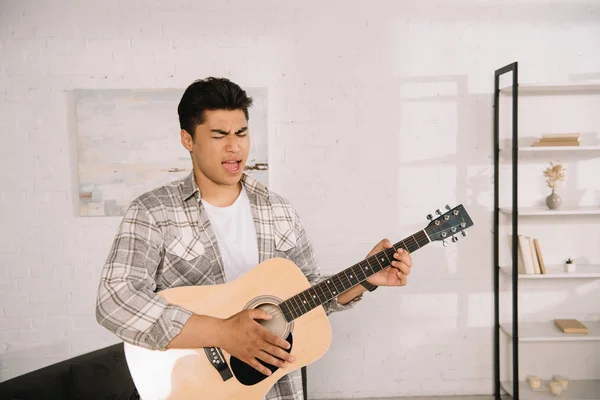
(210, 94)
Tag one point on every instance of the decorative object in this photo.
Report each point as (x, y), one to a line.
(535, 382)
(128, 143)
(563, 380)
(555, 388)
(554, 174)
(570, 265)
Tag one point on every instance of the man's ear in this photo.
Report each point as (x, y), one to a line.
(186, 140)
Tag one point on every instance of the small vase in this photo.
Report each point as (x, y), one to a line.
(553, 201)
(570, 267)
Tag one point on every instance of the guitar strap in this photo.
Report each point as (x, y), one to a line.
(215, 356)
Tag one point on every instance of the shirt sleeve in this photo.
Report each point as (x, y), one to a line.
(126, 303)
(304, 257)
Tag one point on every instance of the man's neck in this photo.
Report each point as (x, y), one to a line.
(216, 194)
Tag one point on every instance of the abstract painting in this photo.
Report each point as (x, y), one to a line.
(128, 143)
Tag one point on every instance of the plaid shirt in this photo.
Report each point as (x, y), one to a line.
(165, 240)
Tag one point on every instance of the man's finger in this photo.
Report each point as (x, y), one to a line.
(405, 269)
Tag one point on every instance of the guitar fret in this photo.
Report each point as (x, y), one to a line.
(304, 301)
(417, 243)
(362, 271)
(347, 277)
(378, 262)
(337, 290)
(298, 300)
(312, 296)
(356, 271)
(291, 308)
(388, 257)
(324, 299)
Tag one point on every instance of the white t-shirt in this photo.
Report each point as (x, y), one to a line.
(236, 234)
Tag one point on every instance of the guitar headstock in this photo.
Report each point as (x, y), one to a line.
(448, 225)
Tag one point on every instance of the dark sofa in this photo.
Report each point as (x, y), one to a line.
(99, 375)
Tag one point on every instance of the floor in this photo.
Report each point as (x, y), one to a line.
(432, 398)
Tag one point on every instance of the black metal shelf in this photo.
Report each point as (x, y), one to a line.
(514, 92)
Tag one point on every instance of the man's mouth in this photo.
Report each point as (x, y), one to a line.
(232, 166)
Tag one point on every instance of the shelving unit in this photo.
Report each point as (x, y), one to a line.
(583, 271)
(548, 332)
(522, 332)
(536, 211)
(529, 149)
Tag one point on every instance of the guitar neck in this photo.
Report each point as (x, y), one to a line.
(328, 289)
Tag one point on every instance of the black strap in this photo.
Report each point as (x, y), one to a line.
(369, 286)
(215, 356)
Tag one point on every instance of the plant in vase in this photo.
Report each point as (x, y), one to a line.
(570, 265)
(554, 174)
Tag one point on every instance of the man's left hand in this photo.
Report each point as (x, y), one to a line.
(397, 273)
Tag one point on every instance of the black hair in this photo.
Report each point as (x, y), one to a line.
(210, 94)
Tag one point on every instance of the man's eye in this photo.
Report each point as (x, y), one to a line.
(242, 134)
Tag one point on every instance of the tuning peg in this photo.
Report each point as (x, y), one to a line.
(429, 217)
(448, 207)
(454, 239)
(438, 212)
(464, 233)
(444, 243)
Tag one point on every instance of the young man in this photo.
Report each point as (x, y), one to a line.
(209, 228)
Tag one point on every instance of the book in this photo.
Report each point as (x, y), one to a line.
(526, 255)
(570, 326)
(558, 139)
(560, 136)
(534, 256)
(555, 143)
(538, 252)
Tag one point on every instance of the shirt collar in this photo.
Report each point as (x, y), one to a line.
(189, 187)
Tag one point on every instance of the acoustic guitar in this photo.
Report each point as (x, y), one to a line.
(280, 288)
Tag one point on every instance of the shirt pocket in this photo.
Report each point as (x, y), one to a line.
(186, 250)
(285, 237)
(186, 263)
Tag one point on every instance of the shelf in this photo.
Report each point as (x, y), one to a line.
(540, 89)
(577, 390)
(583, 271)
(538, 211)
(531, 149)
(548, 332)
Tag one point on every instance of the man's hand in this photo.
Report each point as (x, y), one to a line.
(249, 341)
(397, 273)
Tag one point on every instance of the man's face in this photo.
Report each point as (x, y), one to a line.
(220, 146)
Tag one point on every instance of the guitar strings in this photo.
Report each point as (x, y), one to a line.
(344, 280)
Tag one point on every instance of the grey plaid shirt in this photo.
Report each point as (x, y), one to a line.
(165, 240)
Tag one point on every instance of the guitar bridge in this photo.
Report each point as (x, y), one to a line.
(216, 358)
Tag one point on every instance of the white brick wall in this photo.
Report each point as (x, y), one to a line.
(379, 113)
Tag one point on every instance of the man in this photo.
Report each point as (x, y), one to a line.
(209, 228)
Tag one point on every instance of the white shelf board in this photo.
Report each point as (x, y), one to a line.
(578, 389)
(530, 149)
(554, 89)
(548, 332)
(582, 271)
(538, 211)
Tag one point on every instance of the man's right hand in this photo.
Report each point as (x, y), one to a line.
(247, 340)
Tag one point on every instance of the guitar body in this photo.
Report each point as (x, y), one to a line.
(189, 373)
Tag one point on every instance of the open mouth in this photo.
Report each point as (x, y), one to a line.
(232, 166)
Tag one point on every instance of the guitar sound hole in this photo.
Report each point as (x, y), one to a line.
(249, 376)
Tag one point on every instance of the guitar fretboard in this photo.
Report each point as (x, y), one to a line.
(332, 287)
